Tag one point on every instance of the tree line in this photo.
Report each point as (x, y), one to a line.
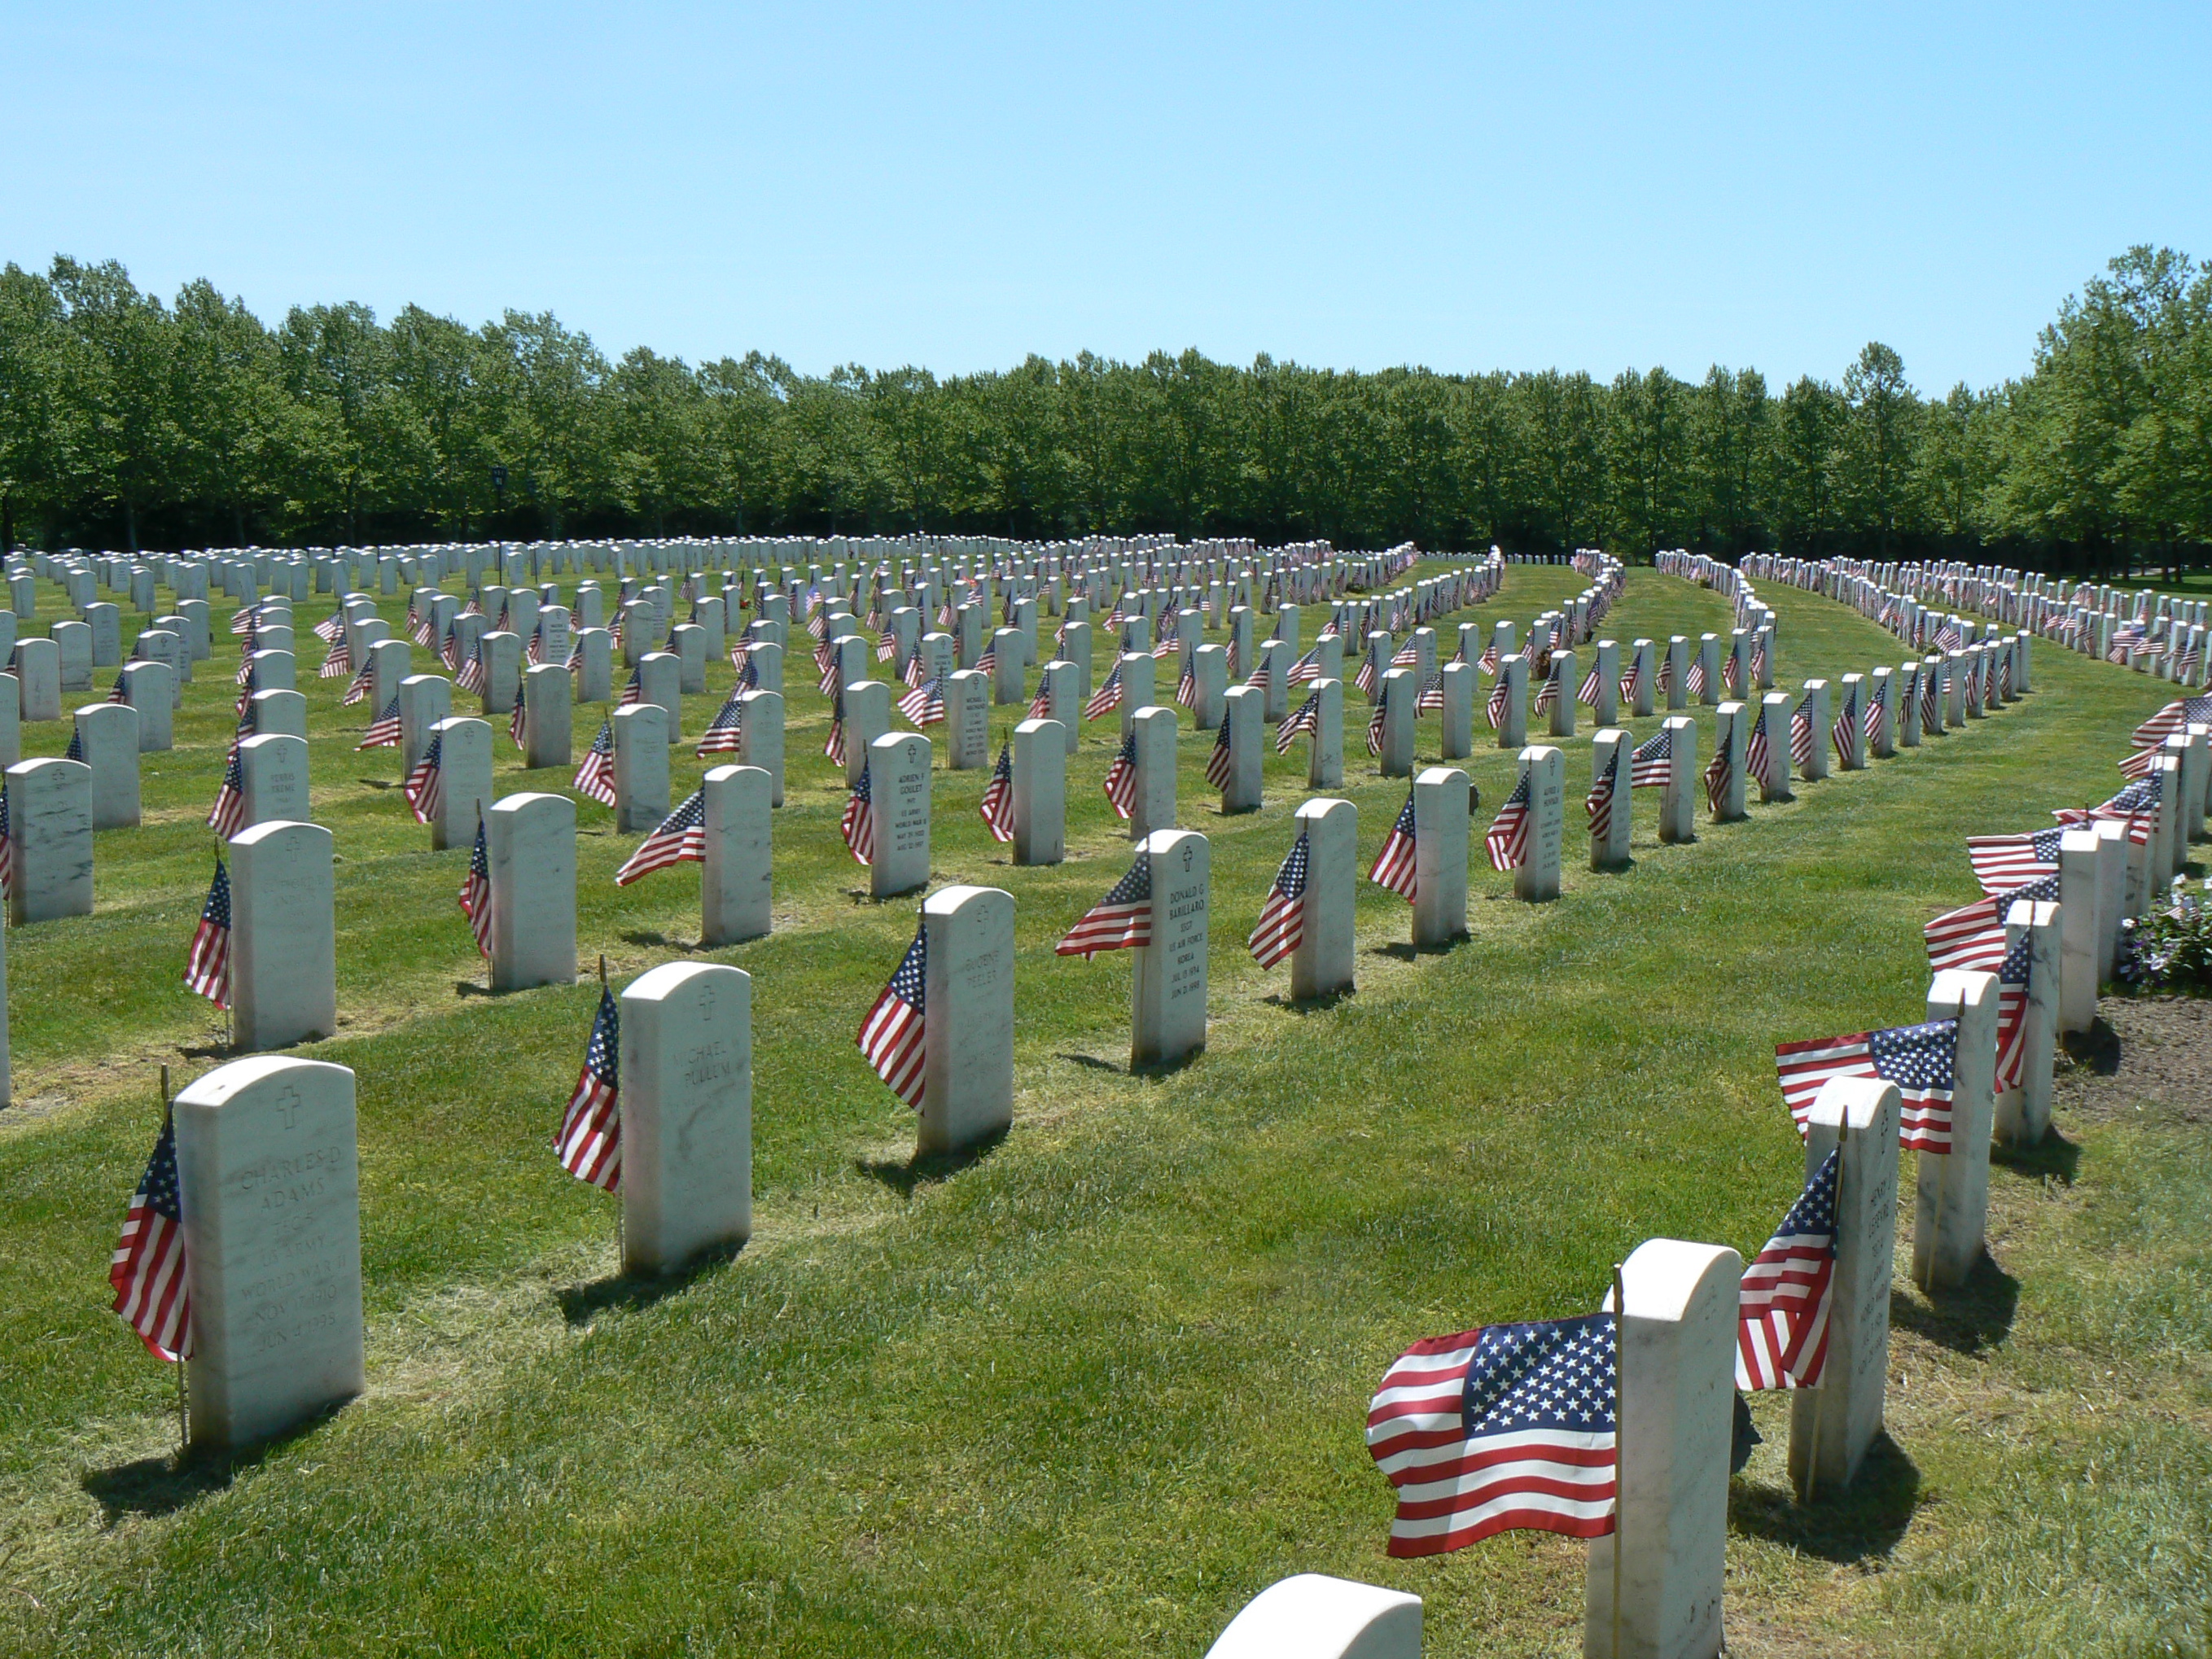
(129, 422)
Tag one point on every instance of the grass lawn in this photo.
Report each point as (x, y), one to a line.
(1087, 1393)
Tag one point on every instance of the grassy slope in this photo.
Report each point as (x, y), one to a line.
(1091, 1391)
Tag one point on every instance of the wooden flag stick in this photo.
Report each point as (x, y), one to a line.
(1619, 1486)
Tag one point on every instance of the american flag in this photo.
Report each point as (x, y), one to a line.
(1717, 780)
(1282, 917)
(595, 778)
(1871, 720)
(1696, 681)
(1122, 921)
(678, 838)
(1122, 778)
(1505, 1427)
(925, 704)
(338, 659)
(2140, 762)
(471, 676)
(149, 1270)
(358, 690)
(2005, 862)
(859, 825)
(1732, 671)
(120, 691)
(1219, 768)
(997, 807)
(227, 815)
(1759, 751)
(1918, 1059)
(2175, 718)
(1840, 731)
(2135, 806)
(75, 750)
(589, 1140)
(1168, 646)
(1653, 763)
(418, 625)
(207, 960)
(384, 730)
(723, 732)
(1592, 684)
(1758, 663)
(1187, 687)
(2127, 637)
(1306, 669)
(1431, 700)
(1598, 804)
(1500, 696)
(535, 652)
(1377, 718)
(1973, 936)
(1508, 840)
(425, 787)
(1666, 669)
(887, 645)
(825, 660)
(988, 662)
(1801, 732)
(1782, 1317)
(633, 691)
(1041, 704)
(1107, 698)
(914, 672)
(1487, 663)
(1393, 866)
(330, 627)
(476, 891)
(1948, 636)
(247, 621)
(834, 749)
(2014, 972)
(1364, 679)
(1306, 718)
(1408, 655)
(451, 652)
(518, 719)
(1632, 679)
(892, 1035)
(1548, 693)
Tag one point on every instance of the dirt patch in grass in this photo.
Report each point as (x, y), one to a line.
(2153, 1051)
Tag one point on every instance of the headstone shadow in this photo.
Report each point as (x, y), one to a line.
(660, 941)
(377, 783)
(1092, 1061)
(2054, 1156)
(1863, 1522)
(582, 1304)
(1313, 1005)
(902, 1176)
(1975, 1316)
(155, 1486)
(1401, 950)
(2098, 1048)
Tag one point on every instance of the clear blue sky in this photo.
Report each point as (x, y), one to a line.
(1468, 187)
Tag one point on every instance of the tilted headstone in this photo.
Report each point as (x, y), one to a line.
(39, 669)
(530, 841)
(1039, 763)
(50, 834)
(1832, 1426)
(686, 1105)
(107, 738)
(1676, 1343)
(1951, 1207)
(735, 877)
(1154, 807)
(760, 737)
(283, 940)
(269, 1184)
(272, 772)
(1678, 796)
(968, 1022)
(1168, 989)
(641, 766)
(1440, 842)
(2022, 1115)
(548, 722)
(898, 799)
(1324, 962)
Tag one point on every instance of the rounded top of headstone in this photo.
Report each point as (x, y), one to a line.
(47, 766)
(673, 978)
(535, 803)
(285, 829)
(227, 1082)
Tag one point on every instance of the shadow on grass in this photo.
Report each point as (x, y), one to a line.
(1862, 1522)
(660, 941)
(1978, 1315)
(469, 987)
(2098, 1048)
(926, 1169)
(1093, 1062)
(377, 783)
(1403, 951)
(2055, 1156)
(1314, 1004)
(582, 1304)
(162, 1486)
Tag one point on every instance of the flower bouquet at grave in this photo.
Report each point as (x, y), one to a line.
(2168, 950)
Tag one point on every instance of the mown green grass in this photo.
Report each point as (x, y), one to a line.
(1090, 1391)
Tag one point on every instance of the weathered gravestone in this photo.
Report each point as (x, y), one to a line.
(50, 837)
(686, 1105)
(530, 841)
(283, 940)
(968, 1023)
(269, 1185)
(272, 771)
(734, 882)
